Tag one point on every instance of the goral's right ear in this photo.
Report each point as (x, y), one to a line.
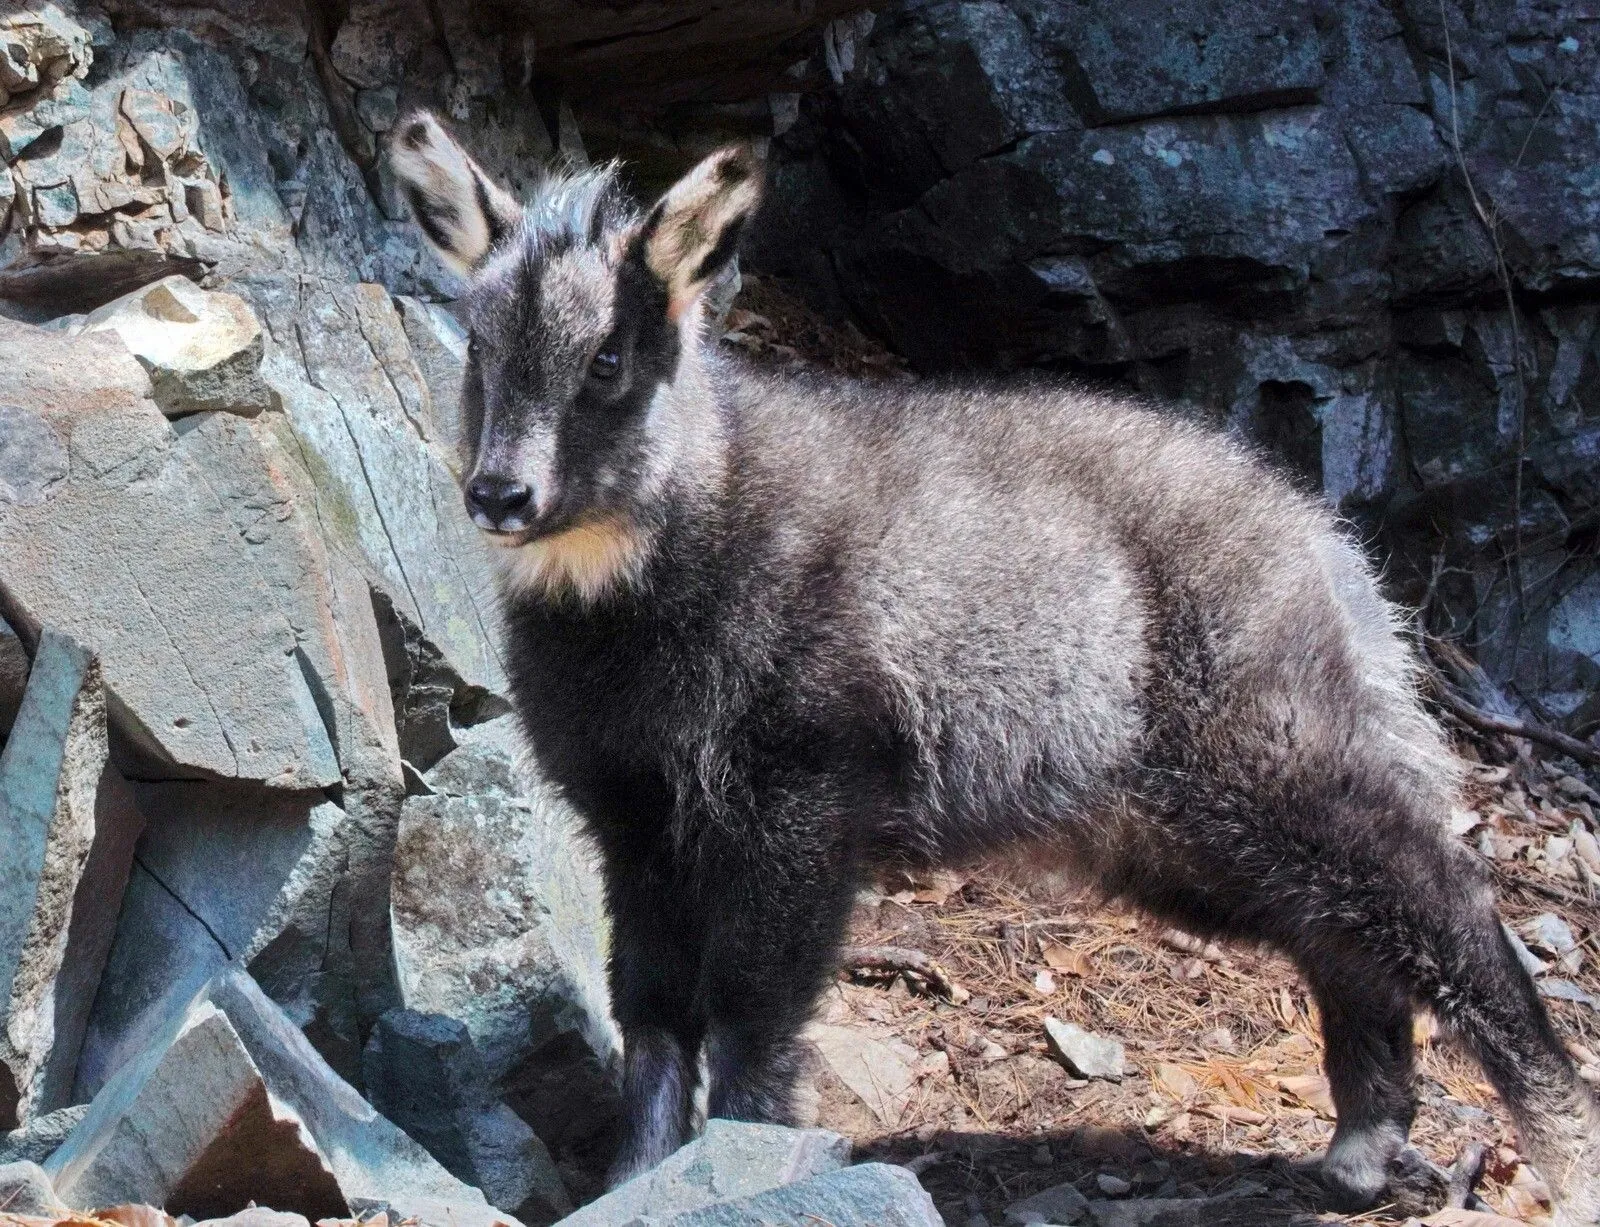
(464, 214)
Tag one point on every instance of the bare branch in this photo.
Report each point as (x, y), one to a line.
(900, 959)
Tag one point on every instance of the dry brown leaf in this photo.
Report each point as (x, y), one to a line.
(1067, 959)
(1311, 1090)
(937, 888)
(136, 1216)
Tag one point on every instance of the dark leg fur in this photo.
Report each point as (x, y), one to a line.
(1382, 912)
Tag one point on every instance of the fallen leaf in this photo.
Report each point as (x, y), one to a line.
(1066, 959)
(1311, 1090)
(937, 888)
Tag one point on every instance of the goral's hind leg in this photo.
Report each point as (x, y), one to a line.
(1366, 1027)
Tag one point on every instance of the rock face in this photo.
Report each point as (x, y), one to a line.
(230, 1103)
(70, 828)
(1264, 216)
(498, 922)
(423, 1072)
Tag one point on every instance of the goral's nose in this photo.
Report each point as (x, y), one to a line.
(496, 502)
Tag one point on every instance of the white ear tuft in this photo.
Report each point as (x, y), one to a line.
(693, 231)
(464, 214)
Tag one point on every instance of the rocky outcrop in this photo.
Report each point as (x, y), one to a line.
(1302, 222)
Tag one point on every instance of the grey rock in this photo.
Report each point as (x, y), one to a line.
(880, 1070)
(71, 829)
(1566, 990)
(1531, 963)
(729, 1160)
(41, 1136)
(869, 1195)
(202, 348)
(1083, 1053)
(357, 401)
(224, 873)
(134, 556)
(33, 459)
(258, 1216)
(423, 1072)
(1059, 1204)
(25, 1189)
(266, 1088)
(439, 345)
(192, 1126)
(498, 921)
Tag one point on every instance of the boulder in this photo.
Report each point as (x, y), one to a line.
(730, 1160)
(423, 1072)
(224, 872)
(26, 1190)
(499, 921)
(134, 555)
(340, 362)
(71, 827)
(192, 1126)
(230, 1103)
(869, 1195)
(37, 1140)
(202, 348)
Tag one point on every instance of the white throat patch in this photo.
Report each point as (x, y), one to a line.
(588, 560)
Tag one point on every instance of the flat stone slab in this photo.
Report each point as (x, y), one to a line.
(130, 552)
(870, 1195)
(731, 1159)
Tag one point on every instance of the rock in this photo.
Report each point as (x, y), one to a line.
(498, 921)
(25, 1189)
(423, 1072)
(230, 1070)
(13, 674)
(224, 873)
(43, 46)
(868, 1195)
(1083, 1053)
(1566, 990)
(39, 1138)
(882, 1072)
(1181, 1211)
(258, 1216)
(71, 827)
(134, 556)
(731, 1159)
(439, 345)
(1060, 1204)
(192, 1126)
(1112, 1186)
(340, 362)
(202, 348)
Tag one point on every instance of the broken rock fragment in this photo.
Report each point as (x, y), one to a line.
(869, 1195)
(69, 828)
(423, 1072)
(1084, 1053)
(202, 348)
(731, 1159)
(230, 1104)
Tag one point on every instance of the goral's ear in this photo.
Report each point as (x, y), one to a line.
(693, 231)
(463, 212)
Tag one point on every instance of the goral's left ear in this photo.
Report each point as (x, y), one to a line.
(693, 231)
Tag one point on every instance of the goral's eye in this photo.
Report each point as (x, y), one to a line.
(605, 364)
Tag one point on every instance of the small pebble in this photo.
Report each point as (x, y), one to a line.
(1112, 1186)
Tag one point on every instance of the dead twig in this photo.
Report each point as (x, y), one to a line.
(899, 959)
(1556, 894)
(1504, 726)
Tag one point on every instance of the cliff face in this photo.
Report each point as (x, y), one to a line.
(1363, 233)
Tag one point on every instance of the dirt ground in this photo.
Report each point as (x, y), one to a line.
(1224, 1094)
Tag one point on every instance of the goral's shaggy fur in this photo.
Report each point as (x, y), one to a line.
(772, 633)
